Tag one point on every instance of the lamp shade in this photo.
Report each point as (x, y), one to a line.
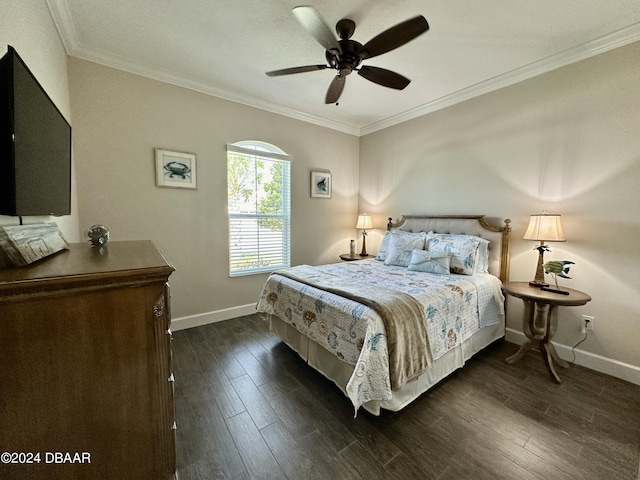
(546, 227)
(364, 221)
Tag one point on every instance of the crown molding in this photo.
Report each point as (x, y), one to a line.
(126, 65)
(64, 23)
(584, 51)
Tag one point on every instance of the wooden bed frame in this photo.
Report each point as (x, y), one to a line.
(340, 372)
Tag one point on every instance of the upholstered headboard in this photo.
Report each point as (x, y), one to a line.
(477, 225)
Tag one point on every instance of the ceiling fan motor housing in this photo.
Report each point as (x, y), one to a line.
(348, 60)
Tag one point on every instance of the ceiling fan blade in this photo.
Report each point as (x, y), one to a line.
(289, 71)
(384, 77)
(395, 37)
(335, 89)
(313, 23)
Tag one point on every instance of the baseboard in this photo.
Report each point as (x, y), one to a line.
(191, 321)
(615, 368)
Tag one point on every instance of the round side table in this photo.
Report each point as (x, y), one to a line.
(540, 322)
(347, 257)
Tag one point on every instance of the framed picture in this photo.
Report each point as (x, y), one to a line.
(320, 185)
(175, 169)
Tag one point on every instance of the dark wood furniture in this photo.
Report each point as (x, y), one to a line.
(539, 322)
(347, 257)
(86, 366)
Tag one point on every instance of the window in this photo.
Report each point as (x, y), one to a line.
(258, 192)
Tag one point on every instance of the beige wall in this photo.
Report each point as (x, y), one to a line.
(568, 142)
(121, 117)
(27, 26)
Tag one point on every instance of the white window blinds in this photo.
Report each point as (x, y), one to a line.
(259, 196)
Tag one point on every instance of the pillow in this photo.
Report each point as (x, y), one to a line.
(430, 262)
(384, 245)
(463, 252)
(401, 246)
(482, 257)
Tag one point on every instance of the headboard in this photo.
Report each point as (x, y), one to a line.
(477, 225)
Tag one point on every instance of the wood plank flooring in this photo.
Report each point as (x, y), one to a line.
(248, 408)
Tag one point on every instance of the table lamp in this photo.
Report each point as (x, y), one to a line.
(364, 224)
(543, 227)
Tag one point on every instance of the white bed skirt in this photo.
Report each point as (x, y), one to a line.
(340, 372)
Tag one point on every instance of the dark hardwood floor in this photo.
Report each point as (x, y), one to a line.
(248, 408)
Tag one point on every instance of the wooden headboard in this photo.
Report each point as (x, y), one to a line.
(476, 225)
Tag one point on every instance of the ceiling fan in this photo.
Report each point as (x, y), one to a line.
(345, 55)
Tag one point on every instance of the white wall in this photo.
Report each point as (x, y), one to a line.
(121, 117)
(27, 26)
(567, 141)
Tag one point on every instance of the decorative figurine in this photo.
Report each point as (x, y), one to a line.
(98, 235)
(557, 269)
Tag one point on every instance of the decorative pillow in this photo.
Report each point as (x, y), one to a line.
(463, 252)
(401, 246)
(430, 262)
(384, 245)
(482, 257)
(482, 264)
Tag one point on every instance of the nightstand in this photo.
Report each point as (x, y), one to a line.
(347, 257)
(540, 320)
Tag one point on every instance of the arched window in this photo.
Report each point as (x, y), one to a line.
(259, 196)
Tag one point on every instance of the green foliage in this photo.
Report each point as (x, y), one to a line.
(242, 178)
(271, 203)
(244, 184)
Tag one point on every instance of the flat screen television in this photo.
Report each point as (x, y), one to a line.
(35, 145)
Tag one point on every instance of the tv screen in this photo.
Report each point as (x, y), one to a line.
(35, 145)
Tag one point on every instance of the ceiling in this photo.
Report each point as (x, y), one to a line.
(224, 47)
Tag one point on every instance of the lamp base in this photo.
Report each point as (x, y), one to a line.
(555, 290)
(538, 284)
(364, 244)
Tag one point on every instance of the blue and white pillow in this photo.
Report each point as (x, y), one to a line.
(401, 247)
(463, 252)
(430, 262)
(384, 246)
(482, 257)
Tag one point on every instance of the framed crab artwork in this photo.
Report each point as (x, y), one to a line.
(175, 169)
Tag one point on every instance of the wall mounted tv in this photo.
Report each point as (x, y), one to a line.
(35, 145)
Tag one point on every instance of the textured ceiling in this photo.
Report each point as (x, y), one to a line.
(224, 48)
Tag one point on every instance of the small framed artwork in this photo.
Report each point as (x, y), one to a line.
(320, 185)
(175, 169)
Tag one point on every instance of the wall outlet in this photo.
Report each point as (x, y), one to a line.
(587, 323)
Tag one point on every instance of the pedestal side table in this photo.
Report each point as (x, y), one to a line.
(540, 320)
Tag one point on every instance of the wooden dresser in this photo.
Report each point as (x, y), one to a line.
(85, 366)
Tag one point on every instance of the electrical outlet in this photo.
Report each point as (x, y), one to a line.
(587, 323)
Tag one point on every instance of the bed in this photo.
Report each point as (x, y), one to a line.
(387, 328)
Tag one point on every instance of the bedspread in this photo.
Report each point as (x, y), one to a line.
(356, 334)
(402, 315)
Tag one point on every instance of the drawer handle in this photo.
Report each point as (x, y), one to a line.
(171, 378)
(174, 426)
